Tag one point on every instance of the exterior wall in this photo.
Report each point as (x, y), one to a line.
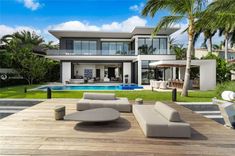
(208, 75)
(66, 72)
(67, 43)
(127, 71)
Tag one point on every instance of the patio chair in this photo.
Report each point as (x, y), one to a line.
(227, 110)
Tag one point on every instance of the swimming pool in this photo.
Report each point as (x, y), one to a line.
(67, 88)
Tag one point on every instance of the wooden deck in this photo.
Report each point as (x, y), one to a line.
(34, 131)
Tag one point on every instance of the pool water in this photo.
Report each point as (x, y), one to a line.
(118, 87)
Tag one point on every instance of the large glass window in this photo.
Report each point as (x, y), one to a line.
(142, 46)
(148, 73)
(163, 46)
(148, 46)
(156, 47)
(115, 48)
(85, 47)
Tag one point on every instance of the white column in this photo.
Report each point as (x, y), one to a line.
(66, 72)
(127, 71)
(208, 76)
(181, 73)
(136, 45)
(168, 74)
(174, 73)
(139, 72)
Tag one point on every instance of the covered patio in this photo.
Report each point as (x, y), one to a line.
(207, 72)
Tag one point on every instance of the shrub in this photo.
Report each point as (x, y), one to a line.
(222, 68)
(230, 85)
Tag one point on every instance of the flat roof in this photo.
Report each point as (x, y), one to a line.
(104, 34)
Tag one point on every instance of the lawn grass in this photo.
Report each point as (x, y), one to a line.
(194, 96)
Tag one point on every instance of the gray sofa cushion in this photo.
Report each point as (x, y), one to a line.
(168, 112)
(120, 104)
(154, 124)
(99, 96)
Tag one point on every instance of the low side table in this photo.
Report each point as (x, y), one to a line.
(59, 112)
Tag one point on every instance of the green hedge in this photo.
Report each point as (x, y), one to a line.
(225, 86)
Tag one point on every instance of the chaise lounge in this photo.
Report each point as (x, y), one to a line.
(103, 100)
(160, 120)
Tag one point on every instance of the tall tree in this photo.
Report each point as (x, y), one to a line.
(180, 10)
(25, 38)
(220, 15)
(20, 46)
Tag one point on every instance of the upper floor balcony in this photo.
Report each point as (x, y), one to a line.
(90, 53)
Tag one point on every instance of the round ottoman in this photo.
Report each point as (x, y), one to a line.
(139, 101)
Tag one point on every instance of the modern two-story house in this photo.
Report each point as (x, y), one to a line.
(112, 56)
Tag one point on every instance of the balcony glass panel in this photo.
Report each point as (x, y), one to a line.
(105, 48)
(93, 47)
(125, 48)
(85, 47)
(119, 48)
(77, 47)
(112, 48)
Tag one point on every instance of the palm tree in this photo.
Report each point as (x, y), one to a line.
(180, 10)
(220, 15)
(23, 38)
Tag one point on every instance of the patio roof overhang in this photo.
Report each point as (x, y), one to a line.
(178, 63)
(117, 35)
(207, 70)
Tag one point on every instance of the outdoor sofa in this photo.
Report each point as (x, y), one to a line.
(103, 100)
(160, 120)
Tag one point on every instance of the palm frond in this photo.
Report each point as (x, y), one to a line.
(166, 21)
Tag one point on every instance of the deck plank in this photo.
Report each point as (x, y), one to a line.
(34, 131)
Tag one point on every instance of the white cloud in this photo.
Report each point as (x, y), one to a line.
(137, 7)
(124, 26)
(31, 4)
(4, 29)
(74, 25)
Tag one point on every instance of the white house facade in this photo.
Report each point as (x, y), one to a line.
(123, 57)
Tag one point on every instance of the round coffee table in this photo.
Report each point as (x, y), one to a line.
(94, 115)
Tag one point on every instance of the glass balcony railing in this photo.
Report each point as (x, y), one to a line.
(90, 53)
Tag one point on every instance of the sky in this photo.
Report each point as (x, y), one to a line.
(98, 15)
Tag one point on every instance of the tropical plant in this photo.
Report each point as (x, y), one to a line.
(180, 51)
(223, 69)
(229, 85)
(25, 38)
(220, 14)
(180, 10)
(20, 50)
(145, 49)
(30, 66)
